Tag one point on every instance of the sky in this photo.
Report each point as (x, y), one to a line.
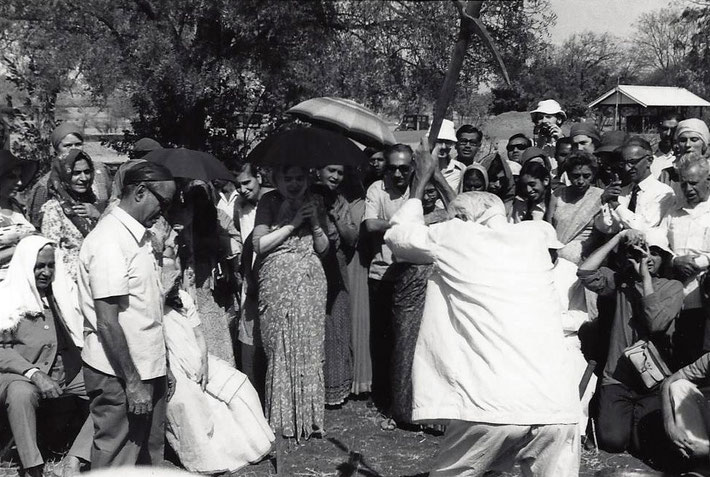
(612, 16)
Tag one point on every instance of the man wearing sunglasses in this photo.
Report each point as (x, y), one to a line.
(125, 367)
(517, 144)
(384, 198)
(644, 201)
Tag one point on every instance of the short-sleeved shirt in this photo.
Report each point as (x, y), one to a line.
(382, 202)
(116, 260)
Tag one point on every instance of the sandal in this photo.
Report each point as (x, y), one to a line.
(388, 424)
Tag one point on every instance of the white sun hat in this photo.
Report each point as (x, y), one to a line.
(447, 132)
(549, 106)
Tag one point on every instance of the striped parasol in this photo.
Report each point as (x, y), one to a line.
(345, 116)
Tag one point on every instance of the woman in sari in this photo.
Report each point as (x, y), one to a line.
(208, 248)
(14, 226)
(343, 235)
(475, 179)
(574, 207)
(289, 238)
(214, 420)
(70, 213)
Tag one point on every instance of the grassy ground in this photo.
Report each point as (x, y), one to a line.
(356, 446)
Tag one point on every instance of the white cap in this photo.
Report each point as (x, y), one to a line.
(549, 106)
(447, 132)
(657, 237)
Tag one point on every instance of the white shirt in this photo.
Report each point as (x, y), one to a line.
(453, 173)
(661, 162)
(689, 234)
(226, 204)
(116, 260)
(490, 343)
(382, 202)
(653, 202)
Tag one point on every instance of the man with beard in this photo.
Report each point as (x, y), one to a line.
(468, 143)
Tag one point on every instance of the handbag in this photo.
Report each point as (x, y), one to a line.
(644, 356)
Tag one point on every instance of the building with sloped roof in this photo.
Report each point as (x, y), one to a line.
(636, 108)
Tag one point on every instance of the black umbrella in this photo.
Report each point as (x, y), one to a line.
(306, 147)
(189, 164)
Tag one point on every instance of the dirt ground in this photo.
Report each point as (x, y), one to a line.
(356, 446)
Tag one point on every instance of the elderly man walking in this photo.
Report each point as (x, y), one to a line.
(124, 348)
(487, 360)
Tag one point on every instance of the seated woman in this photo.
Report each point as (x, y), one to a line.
(574, 207)
(289, 239)
(14, 226)
(41, 333)
(214, 420)
(475, 179)
(646, 306)
(70, 213)
(533, 198)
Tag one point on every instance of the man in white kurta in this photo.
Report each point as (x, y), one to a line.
(488, 359)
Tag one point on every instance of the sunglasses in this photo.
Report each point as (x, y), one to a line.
(519, 147)
(162, 201)
(404, 169)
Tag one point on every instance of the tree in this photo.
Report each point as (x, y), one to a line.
(196, 71)
(660, 45)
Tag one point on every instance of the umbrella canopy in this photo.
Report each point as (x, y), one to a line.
(306, 147)
(346, 116)
(190, 164)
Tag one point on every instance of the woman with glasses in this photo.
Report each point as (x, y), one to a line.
(289, 241)
(208, 249)
(71, 211)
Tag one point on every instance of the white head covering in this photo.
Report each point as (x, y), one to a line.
(695, 126)
(549, 106)
(476, 206)
(19, 297)
(447, 132)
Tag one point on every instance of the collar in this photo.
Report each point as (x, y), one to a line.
(701, 208)
(453, 165)
(229, 199)
(133, 226)
(647, 182)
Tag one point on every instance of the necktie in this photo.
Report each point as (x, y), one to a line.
(634, 198)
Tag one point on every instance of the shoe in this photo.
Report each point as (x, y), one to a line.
(69, 466)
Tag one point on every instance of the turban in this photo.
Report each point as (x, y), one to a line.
(62, 131)
(585, 129)
(697, 127)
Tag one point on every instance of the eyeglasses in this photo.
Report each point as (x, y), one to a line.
(634, 162)
(469, 141)
(519, 147)
(403, 169)
(162, 201)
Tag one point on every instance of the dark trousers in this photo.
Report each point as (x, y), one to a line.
(121, 438)
(252, 362)
(688, 341)
(633, 421)
(21, 400)
(381, 341)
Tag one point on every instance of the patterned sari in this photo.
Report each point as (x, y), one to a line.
(292, 302)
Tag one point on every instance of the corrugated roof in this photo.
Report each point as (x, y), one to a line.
(650, 96)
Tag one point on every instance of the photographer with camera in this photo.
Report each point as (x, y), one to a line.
(646, 304)
(547, 118)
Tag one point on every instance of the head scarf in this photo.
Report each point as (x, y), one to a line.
(20, 299)
(477, 207)
(697, 127)
(60, 188)
(62, 131)
(476, 167)
(585, 129)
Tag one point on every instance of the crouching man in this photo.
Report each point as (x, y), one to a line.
(487, 361)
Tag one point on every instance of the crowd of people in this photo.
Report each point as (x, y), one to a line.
(526, 302)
